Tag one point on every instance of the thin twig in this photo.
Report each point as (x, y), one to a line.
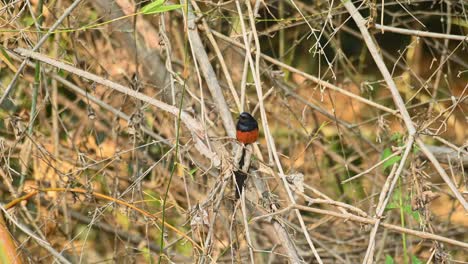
(222, 62)
(445, 154)
(420, 33)
(347, 216)
(100, 196)
(209, 237)
(366, 220)
(281, 232)
(385, 195)
(246, 227)
(361, 23)
(193, 125)
(430, 156)
(46, 245)
(208, 73)
(255, 68)
(396, 153)
(51, 30)
(314, 79)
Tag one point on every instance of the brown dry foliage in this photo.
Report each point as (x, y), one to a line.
(75, 143)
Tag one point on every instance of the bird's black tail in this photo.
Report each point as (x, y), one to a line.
(240, 182)
(240, 175)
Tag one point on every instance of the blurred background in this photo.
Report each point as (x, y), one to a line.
(331, 115)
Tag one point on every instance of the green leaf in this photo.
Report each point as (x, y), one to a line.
(152, 5)
(386, 153)
(184, 248)
(416, 149)
(416, 216)
(151, 198)
(389, 260)
(396, 137)
(192, 171)
(28, 21)
(167, 8)
(394, 201)
(460, 22)
(391, 206)
(415, 260)
(158, 7)
(146, 254)
(409, 211)
(5, 57)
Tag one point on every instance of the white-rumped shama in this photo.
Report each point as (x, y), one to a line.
(246, 133)
(246, 129)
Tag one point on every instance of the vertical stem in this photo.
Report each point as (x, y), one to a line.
(402, 219)
(37, 74)
(37, 80)
(36, 47)
(36, 86)
(173, 168)
(174, 163)
(281, 31)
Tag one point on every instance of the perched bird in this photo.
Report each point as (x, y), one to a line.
(247, 128)
(246, 133)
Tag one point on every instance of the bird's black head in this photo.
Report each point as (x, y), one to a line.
(246, 122)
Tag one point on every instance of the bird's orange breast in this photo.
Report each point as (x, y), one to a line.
(247, 137)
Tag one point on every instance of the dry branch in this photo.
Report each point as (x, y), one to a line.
(255, 69)
(193, 125)
(44, 244)
(36, 47)
(420, 33)
(347, 216)
(208, 73)
(362, 25)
